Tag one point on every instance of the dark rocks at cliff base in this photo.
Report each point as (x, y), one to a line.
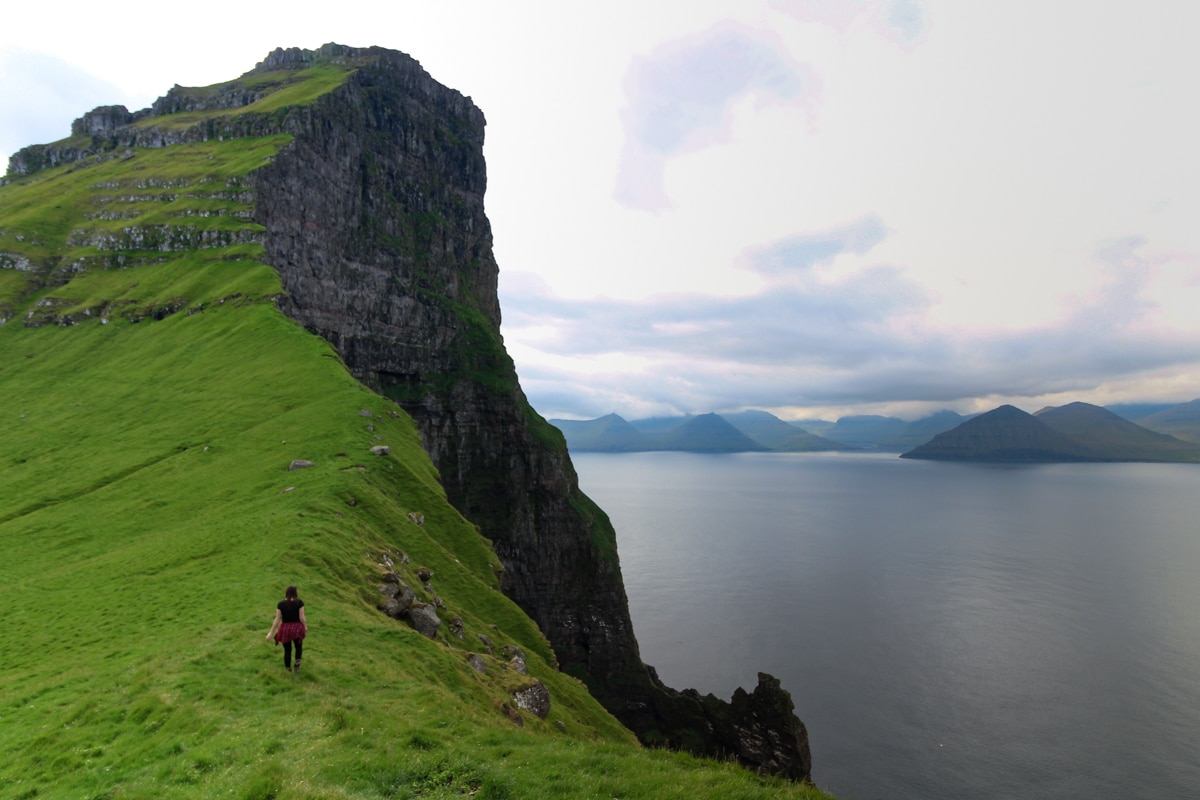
(767, 733)
(758, 728)
(374, 218)
(533, 697)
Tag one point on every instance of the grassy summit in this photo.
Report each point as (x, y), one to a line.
(153, 397)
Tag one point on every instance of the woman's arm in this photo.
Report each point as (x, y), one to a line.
(303, 619)
(275, 624)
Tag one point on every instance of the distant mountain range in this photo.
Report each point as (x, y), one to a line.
(886, 434)
(744, 432)
(1074, 432)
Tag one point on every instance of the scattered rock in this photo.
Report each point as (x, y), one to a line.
(381, 449)
(487, 644)
(517, 663)
(416, 518)
(562, 726)
(424, 574)
(438, 601)
(398, 598)
(512, 714)
(371, 429)
(366, 412)
(300, 463)
(287, 489)
(477, 663)
(424, 619)
(509, 650)
(457, 628)
(534, 698)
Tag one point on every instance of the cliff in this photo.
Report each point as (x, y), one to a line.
(372, 215)
(391, 261)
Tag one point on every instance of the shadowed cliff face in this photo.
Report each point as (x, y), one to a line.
(374, 218)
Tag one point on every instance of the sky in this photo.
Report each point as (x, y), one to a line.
(816, 207)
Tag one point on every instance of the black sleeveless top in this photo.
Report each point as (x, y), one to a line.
(290, 610)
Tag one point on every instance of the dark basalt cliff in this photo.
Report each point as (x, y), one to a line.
(375, 221)
(374, 218)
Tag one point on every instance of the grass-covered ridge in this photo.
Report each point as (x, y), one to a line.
(152, 400)
(280, 89)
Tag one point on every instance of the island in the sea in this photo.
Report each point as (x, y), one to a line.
(1073, 432)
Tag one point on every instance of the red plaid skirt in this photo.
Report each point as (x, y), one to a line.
(290, 632)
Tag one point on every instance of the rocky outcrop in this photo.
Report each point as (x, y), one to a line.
(101, 121)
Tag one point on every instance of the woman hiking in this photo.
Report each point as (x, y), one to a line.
(289, 627)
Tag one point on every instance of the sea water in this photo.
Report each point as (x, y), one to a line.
(947, 631)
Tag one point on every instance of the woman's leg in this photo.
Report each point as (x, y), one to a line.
(299, 651)
(287, 655)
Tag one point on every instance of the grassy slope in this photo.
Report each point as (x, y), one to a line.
(146, 533)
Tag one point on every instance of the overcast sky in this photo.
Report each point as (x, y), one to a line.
(812, 206)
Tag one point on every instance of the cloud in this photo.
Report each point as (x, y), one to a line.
(811, 249)
(41, 94)
(682, 95)
(857, 340)
(901, 21)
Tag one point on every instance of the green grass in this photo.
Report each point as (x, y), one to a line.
(148, 524)
(296, 88)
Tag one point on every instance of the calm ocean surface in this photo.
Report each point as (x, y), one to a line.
(948, 631)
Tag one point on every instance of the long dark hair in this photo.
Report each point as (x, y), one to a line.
(290, 593)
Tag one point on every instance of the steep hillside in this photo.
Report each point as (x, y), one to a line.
(1003, 434)
(770, 431)
(155, 396)
(1116, 438)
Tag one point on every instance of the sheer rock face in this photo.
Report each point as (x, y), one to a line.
(374, 219)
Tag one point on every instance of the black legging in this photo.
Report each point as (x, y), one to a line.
(287, 652)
